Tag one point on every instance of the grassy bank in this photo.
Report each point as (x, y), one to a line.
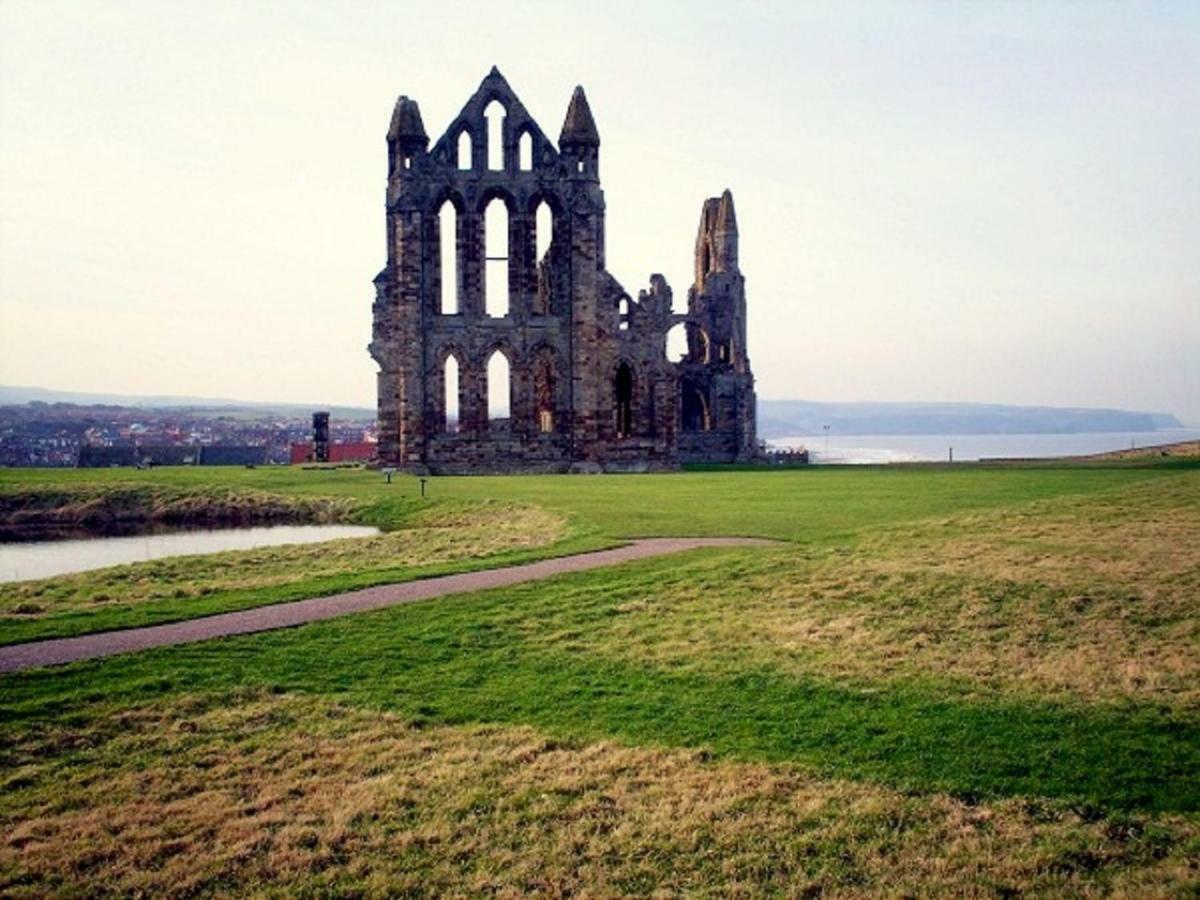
(101, 507)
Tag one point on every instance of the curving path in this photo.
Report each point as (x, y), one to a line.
(287, 615)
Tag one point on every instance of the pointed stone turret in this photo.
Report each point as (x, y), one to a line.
(579, 128)
(579, 142)
(406, 123)
(406, 136)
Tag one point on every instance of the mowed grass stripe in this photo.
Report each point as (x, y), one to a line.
(465, 660)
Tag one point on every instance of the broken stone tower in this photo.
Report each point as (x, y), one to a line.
(496, 273)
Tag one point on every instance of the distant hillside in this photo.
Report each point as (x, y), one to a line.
(782, 418)
(15, 396)
(776, 418)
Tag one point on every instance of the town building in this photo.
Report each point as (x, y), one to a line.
(338, 452)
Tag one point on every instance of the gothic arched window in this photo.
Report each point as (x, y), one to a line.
(499, 387)
(450, 395)
(465, 162)
(495, 252)
(448, 263)
(494, 114)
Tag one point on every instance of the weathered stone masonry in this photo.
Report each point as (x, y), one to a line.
(591, 387)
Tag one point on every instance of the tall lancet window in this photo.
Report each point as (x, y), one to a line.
(544, 397)
(499, 388)
(448, 251)
(494, 114)
(543, 225)
(495, 251)
(450, 390)
(465, 162)
(525, 152)
(623, 389)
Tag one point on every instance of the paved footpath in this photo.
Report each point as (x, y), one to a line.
(286, 615)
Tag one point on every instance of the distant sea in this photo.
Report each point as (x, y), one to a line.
(864, 449)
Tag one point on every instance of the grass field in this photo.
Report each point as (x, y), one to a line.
(944, 681)
(455, 528)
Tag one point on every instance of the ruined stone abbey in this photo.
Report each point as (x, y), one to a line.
(496, 274)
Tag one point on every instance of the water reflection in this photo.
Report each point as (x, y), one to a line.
(46, 558)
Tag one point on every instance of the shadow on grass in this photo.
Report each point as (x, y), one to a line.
(425, 668)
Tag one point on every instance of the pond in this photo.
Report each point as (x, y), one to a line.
(44, 559)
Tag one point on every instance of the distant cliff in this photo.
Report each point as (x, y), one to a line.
(781, 418)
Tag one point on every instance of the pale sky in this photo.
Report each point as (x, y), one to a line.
(994, 202)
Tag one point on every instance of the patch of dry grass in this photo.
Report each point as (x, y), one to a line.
(291, 793)
(444, 533)
(1094, 598)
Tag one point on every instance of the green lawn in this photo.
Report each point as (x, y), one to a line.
(809, 506)
(967, 680)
